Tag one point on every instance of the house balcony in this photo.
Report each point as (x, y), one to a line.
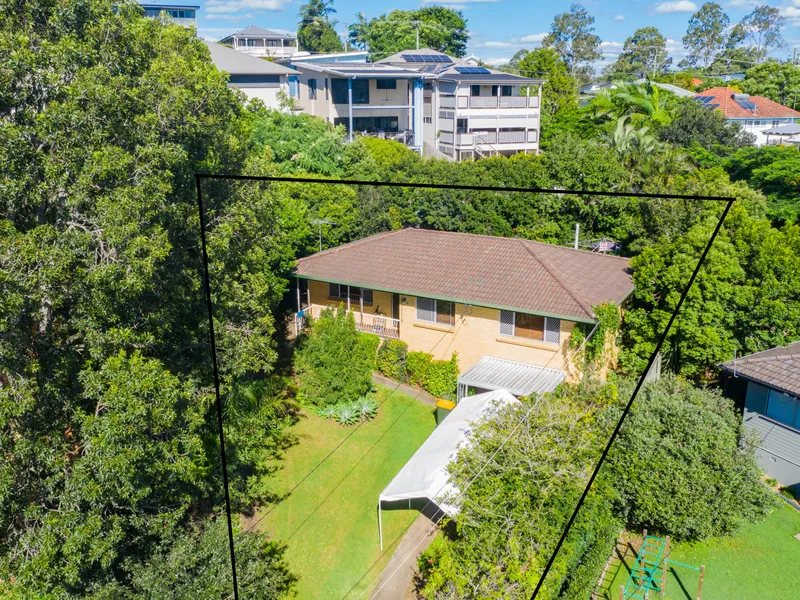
(489, 138)
(404, 137)
(380, 325)
(488, 102)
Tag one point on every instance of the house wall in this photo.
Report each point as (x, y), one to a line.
(758, 126)
(324, 107)
(778, 450)
(475, 334)
(267, 93)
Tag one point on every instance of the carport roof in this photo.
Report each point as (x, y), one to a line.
(519, 379)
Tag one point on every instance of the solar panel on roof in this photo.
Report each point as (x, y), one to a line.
(745, 103)
(473, 70)
(410, 57)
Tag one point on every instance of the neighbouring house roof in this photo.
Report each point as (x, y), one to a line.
(361, 70)
(449, 68)
(505, 273)
(239, 63)
(733, 105)
(259, 32)
(168, 5)
(677, 90)
(330, 57)
(778, 368)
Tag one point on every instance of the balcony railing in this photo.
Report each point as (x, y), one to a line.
(505, 137)
(368, 323)
(447, 102)
(504, 102)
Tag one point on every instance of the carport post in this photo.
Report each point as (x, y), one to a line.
(380, 525)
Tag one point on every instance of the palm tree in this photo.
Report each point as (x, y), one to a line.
(645, 101)
(315, 11)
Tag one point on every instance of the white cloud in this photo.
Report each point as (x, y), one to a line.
(536, 37)
(619, 18)
(497, 45)
(496, 61)
(232, 17)
(791, 12)
(212, 34)
(676, 6)
(229, 6)
(610, 45)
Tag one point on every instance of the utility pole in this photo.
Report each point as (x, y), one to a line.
(417, 24)
(320, 223)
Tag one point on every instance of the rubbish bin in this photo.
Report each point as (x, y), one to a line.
(443, 408)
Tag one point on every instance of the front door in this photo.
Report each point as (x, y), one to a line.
(395, 306)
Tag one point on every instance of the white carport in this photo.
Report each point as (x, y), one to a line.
(425, 474)
(520, 379)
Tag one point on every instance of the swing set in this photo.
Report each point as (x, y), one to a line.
(649, 573)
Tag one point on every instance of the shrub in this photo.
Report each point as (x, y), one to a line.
(367, 407)
(417, 364)
(678, 465)
(334, 362)
(442, 377)
(391, 359)
(346, 413)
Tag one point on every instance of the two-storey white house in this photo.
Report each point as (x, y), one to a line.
(471, 111)
(260, 42)
(368, 99)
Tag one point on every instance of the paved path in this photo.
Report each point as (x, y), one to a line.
(398, 575)
(404, 388)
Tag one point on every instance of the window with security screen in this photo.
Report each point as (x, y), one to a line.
(435, 311)
(532, 327)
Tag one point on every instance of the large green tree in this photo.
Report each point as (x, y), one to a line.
(705, 36)
(643, 54)
(435, 27)
(316, 31)
(560, 90)
(572, 36)
(106, 417)
(778, 81)
(760, 31)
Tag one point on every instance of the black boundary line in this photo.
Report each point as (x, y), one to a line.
(633, 397)
(207, 284)
(452, 186)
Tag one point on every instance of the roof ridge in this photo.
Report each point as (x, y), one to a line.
(756, 356)
(581, 303)
(357, 242)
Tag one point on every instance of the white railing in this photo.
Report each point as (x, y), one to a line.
(366, 322)
(511, 137)
(446, 137)
(533, 136)
(447, 102)
(465, 139)
(503, 102)
(486, 137)
(505, 137)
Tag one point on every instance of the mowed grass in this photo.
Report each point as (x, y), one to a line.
(330, 522)
(761, 561)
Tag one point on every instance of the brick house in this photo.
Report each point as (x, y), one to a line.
(487, 298)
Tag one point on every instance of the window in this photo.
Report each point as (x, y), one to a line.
(293, 86)
(312, 89)
(533, 327)
(340, 92)
(273, 43)
(427, 120)
(461, 126)
(494, 90)
(505, 90)
(428, 86)
(775, 123)
(474, 90)
(783, 408)
(435, 311)
(326, 88)
(386, 84)
(370, 124)
(251, 43)
(341, 292)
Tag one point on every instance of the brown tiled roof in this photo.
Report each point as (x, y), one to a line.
(778, 368)
(482, 270)
(765, 108)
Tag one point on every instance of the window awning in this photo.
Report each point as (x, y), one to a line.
(520, 379)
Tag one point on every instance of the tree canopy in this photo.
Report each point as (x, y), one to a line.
(705, 36)
(316, 31)
(643, 54)
(572, 36)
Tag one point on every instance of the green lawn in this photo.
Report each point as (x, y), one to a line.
(330, 521)
(762, 561)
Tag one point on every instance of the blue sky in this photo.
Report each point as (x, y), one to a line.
(499, 28)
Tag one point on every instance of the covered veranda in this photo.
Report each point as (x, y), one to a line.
(519, 379)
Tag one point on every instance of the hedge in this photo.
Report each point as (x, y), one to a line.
(438, 377)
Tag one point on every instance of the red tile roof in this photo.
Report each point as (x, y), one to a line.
(507, 273)
(765, 108)
(777, 368)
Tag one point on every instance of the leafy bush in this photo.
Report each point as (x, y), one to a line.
(334, 362)
(417, 364)
(328, 411)
(391, 359)
(678, 465)
(442, 377)
(346, 413)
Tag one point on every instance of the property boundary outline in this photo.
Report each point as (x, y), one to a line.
(199, 177)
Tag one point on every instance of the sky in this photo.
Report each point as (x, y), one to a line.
(498, 28)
